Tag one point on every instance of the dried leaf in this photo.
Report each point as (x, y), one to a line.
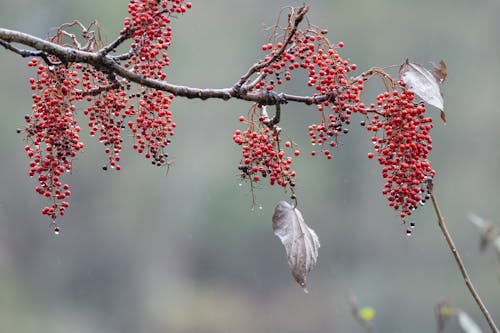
(443, 116)
(467, 324)
(496, 244)
(477, 221)
(440, 72)
(301, 242)
(422, 82)
(488, 232)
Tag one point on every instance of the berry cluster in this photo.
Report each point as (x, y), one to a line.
(149, 27)
(106, 112)
(327, 73)
(262, 153)
(402, 143)
(152, 35)
(153, 126)
(399, 125)
(52, 133)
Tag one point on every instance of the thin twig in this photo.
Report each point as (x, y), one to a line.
(23, 53)
(99, 90)
(459, 261)
(301, 12)
(117, 42)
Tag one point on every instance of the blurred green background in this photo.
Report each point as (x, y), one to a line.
(141, 251)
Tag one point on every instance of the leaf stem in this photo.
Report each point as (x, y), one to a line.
(458, 259)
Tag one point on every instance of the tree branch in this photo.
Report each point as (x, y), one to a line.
(107, 63)
(21, 52)
(114, 44)
(459, 261)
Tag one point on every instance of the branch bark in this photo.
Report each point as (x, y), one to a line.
(458, 259)
(102, 61)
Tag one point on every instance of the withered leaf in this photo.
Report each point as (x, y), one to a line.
(443, 116)
(488, 232)
(440, 72)
(467, 324)
(422, 82)
(301, 242)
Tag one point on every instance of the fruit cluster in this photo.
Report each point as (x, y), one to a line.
(327, 73)
(52, 130)
(149, 27)
(151, 33)
(52, 133)
(399, 126)
(152, 126)
(262, 153)
(402, 143)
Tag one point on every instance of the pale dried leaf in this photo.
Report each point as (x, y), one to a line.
(467, 324)
(496, 244)
(477, 221)
(301, 242)
(440, 72)
(422, 82)
(488, 232)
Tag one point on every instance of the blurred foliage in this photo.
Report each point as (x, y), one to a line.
(144, 252)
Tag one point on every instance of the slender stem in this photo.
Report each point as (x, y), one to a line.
(459, 261)
(299, 16)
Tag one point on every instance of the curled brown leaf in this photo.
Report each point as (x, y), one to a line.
(440, 72)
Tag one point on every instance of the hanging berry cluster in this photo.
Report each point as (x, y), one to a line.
(151, 33)
(263, 154)
(52, 133)
(149, 27)
(398, 123)
(402, 143)
(327, 73)
(114, 103)
(400, 128)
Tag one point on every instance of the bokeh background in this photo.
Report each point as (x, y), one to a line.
(142, 251)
